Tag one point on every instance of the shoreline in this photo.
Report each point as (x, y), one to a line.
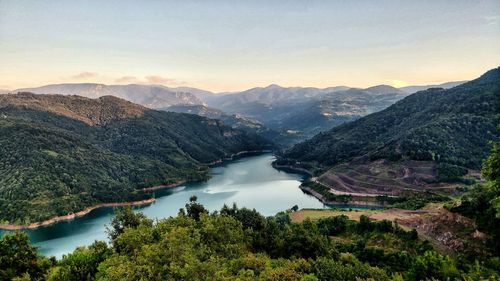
(74, 215)
(322, 199)
(87, 210)
(292, 168)
(163, 186)
(238, 154)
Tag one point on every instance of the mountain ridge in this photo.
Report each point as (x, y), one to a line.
(446, 131)
(56, 160)
(151, 96)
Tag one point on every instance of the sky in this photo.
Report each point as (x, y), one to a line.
(235, 45)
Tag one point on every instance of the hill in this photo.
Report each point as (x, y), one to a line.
(151, 96)
(90, 111)
(305, 112)
(447, 85)
(384, 89)
(234, 120)
(431, 136)
(61, 154)
(269, 95)
(241, 244)
(279, 138)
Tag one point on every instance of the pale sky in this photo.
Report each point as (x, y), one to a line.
(235, 45)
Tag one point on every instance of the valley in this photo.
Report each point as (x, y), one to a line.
(426, 145)
(249, 140)
(285, 115)
(59, 158)
(389, 179)
(249, 181)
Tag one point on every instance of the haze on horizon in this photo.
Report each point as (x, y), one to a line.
(235, 45)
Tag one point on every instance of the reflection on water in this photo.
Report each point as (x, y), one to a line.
(250, 182)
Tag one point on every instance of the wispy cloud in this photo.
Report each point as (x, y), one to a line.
(85, 75)
(491, 19)
(128, 79)
(156, 79)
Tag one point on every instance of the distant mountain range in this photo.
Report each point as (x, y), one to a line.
(269, 95)
(447, 85)
(435, 135)
(281, 139)
(60, 154)
(292, 113)
(306, 111)
(152, 96)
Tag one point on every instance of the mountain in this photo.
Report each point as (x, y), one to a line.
(151, 96)
(384, 89)
(61, 154)
(268, 95)
(199, 93)
(279, 138)
(333, 109)
(305, 112)
(447, 85)
(435, 135)
(234, 120)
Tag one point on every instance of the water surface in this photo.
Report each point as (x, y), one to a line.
(249, 182)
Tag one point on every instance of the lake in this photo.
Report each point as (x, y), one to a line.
(249, 182)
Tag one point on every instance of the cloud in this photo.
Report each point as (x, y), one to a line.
(127, 79)
(156, 79)
(85, 75)
(149, 79)
(491, 19)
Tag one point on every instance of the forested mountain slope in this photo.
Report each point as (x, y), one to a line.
(306, 111)
(447, 127)
(280, 138)
(233, 120)
(60, 154)
(447, 85)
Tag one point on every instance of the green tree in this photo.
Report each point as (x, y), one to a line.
(195, 209)
(124, 218)
(82, 264)
(18, 258)
(433, 265)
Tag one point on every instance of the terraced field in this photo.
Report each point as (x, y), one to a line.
(380, 177)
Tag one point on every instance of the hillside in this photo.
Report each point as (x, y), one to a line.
(269, 95)
(241, 244)
(384, 89)
(433, 135)
(61, 154)
(234, 120)
(151, 96)
(281, 138)
(306, 111)
(90, 111)
(447, 85)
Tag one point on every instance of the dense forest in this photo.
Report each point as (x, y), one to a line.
(451, 127)
(61, 154)
(240, 244)
(239, 122)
